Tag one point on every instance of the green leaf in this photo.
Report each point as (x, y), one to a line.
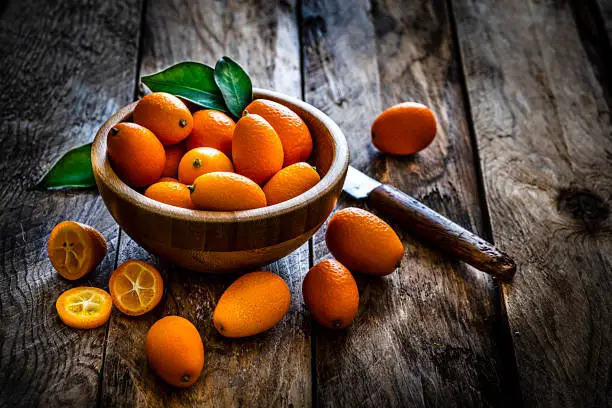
(189, 80)
(235, 85)
(73, 169)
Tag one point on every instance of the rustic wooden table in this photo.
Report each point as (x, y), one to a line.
(523, 156)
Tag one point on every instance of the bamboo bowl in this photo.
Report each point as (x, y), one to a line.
(218, 241)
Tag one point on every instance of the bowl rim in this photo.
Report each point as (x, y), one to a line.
(337, 171)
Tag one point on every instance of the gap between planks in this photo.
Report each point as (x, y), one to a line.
(511, 387)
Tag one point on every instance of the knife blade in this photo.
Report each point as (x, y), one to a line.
(425, 223)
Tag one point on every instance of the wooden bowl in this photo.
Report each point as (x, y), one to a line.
(217, 241)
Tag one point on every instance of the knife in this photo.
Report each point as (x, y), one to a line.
(425, 223)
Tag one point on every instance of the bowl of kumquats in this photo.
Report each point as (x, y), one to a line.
(220, 189)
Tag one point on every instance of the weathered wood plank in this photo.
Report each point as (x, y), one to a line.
(426, 335)
(261, 35)
(64, 71)
(271, 369)
(543, 130)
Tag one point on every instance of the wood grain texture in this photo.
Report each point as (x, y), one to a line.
(425, 335)
(543, 130)
(271, 369)
(61, 77)
(261, 35)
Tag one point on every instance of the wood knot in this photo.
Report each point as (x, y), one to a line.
(584, 206)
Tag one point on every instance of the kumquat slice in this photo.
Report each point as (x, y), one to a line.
(136, 287)
(84, 307)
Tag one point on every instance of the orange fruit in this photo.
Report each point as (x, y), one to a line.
(84, 307)
(291, 129)
(171, 193)
(173, 158)
(212, 128)
(167, 179)
(75, 249)
(330, 294)
(405, 128)
(136, 287)
(165, 115)
(202, 160)
(290, 182)
(256, 149)
(175, 351)
(363, 242)
(137, 155)
(223, 191)
(254, 303)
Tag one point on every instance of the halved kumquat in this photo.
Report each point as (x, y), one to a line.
(75, 249)
(136, 287)
(84, 307)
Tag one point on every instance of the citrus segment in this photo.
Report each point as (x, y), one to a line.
(75, 249)
(136, 287)
(84, 307)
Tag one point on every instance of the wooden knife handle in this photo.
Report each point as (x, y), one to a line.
(442, 232)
